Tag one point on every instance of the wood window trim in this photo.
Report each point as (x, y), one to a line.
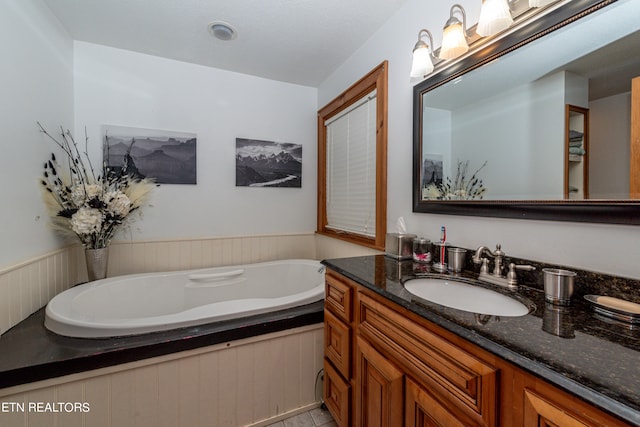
(376, 79)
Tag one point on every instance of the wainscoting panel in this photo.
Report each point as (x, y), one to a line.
(254, 381)
(144, 257)
(26, 287)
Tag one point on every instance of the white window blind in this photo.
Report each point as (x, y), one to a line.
(351, 168)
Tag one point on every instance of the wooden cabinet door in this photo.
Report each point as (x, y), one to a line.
(337, 395)
(379, 389)
(556, 410)
(423, 410)
(540, 412)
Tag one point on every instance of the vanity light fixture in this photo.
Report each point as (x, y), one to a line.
(495, 16)
(454, 35)
(422, 54)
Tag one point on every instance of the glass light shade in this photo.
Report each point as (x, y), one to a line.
(454, 42)
(539, 3)
(494, 17)
(422, 64)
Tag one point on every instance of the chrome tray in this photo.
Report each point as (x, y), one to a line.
(614, 312)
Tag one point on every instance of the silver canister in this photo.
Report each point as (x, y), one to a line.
(558, 285)
(456, 259)
(422, 250)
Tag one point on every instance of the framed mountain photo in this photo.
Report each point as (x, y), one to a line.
(166, 156)
(268, 164)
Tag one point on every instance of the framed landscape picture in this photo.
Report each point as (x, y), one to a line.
(268, 164)
(168, 157)
(432, 171)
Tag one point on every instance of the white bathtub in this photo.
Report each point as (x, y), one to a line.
(142, 303)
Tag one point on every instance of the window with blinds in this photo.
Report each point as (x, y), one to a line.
(351, 168)
(352, 162)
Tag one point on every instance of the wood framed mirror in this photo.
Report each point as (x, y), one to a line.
(491, 131)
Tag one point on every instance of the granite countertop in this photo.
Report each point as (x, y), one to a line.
(571, 347)
(29, 352)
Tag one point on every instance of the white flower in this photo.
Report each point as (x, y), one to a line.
(81, 193)
(118, 203)
(432, 192)
(86, 221)
(100, 202)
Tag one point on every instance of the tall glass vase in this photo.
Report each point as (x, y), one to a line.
(97, 260)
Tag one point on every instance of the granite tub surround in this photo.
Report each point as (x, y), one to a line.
(30, 353)
(571, 347)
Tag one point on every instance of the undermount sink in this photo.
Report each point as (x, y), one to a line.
(466, 297)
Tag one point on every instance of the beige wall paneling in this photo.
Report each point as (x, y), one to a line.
(138, 257)
(37, 419)
(28, 286)
(69, 393)
(98, 389)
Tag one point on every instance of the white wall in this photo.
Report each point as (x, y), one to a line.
(609, 135)
(125, 88)
(522, 140)
(437, 141)
(571, 244)
(36, 83)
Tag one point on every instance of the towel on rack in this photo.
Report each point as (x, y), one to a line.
(577, 150)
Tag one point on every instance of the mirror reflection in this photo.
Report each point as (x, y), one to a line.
(549, 121)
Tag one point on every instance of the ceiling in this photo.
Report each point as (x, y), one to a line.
(611, 68)
(295, 41)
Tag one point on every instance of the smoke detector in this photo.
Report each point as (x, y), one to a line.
(222, 30)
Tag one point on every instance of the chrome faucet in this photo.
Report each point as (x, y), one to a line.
(496, 277)
(497, 256)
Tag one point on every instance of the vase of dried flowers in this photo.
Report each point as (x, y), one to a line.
(91, 206)
(459, 188)
(97, 260)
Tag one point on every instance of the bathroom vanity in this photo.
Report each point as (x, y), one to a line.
(393, 359)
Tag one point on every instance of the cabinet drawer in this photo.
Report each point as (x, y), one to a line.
(337, 343)
(336, 395)
(459, 380)
(338, 297)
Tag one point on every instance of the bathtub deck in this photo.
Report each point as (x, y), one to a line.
(29, 352)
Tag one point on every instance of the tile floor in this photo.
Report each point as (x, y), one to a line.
(313, 418)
